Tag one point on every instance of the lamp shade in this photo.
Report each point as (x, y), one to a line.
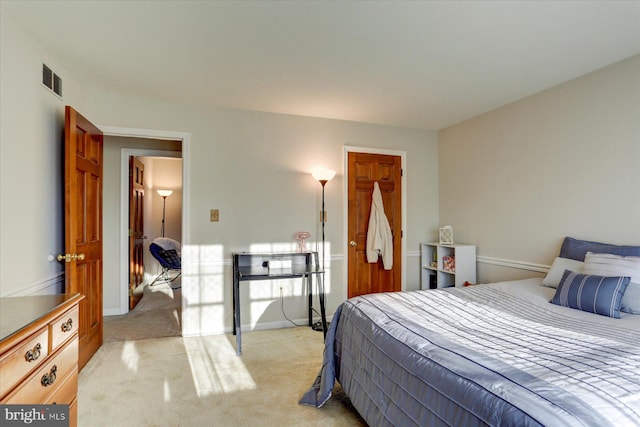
(323, 174)
(164, 193)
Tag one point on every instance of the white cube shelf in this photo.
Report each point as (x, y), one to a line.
(437, 271)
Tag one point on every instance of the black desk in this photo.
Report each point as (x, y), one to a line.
(254, 266)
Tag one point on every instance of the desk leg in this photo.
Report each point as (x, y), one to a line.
(310, 304)
(233, 302)
(237, 326)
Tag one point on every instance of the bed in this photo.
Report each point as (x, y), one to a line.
(496, 354)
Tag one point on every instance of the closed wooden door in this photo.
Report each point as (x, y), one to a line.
(364, 170)
(136, 229)
(83, 226)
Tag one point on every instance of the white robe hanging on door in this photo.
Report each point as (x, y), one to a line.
(379, 237)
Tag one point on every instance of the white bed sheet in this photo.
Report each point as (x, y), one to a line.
(534, 292)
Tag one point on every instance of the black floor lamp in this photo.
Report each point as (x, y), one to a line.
(322, 176)
(164, 194)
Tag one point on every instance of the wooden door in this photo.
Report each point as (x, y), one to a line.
(83, 226)
(364, 170)
(136, 229)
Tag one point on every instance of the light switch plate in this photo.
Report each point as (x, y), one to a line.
(215, 215)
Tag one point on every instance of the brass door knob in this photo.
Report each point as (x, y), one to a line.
(70, 257)
(353, 243)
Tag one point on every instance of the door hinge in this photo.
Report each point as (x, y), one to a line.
(401, 172)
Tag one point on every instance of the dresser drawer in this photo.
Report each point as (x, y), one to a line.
(21, 360)
(66, 391)
(63, 328)
(35, 389)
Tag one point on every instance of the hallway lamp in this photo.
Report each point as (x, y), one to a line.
(164, 194)
(323, 176)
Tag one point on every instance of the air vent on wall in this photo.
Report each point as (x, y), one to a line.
(47, 76)
(51, 80)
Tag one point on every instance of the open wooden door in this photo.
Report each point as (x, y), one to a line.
(136, 229)
(364, 170)
(83, 226)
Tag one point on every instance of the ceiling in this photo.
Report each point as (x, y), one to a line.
(415, 64)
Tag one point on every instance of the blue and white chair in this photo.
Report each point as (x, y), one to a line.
(168, 253)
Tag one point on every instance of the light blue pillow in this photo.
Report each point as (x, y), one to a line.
(595, 294)
(631, 299)
(615, 265)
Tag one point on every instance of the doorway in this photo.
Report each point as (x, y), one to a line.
(116, 299)
(158, 219)
(158, 176)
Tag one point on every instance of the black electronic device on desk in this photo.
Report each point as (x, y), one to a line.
(270, 266)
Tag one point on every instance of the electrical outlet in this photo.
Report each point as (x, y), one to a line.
(215, 215)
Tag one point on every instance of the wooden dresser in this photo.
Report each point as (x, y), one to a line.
(39, 350)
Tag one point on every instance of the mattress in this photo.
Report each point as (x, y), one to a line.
(497, 354)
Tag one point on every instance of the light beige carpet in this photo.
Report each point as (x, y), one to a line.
(156, 315)
(199, 381)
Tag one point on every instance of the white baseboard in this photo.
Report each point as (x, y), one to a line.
(50, 286)
(113, 312)
(280, 324)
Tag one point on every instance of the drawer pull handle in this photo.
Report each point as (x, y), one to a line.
(67, 326)
(33, 354)
(48, 379)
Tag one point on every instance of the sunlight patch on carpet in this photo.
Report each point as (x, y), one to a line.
(215, 368)
(130, 356)
(167, 391)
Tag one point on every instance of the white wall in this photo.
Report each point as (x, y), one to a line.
(31, 149)
(255, 168)
(514, 181)
(517, 180)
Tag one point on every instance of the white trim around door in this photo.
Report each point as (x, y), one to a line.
(184, 138)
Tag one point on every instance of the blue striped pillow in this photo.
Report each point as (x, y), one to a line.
(595, 294)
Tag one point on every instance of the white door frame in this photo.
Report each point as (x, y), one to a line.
(184, 138)
(403, 188)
